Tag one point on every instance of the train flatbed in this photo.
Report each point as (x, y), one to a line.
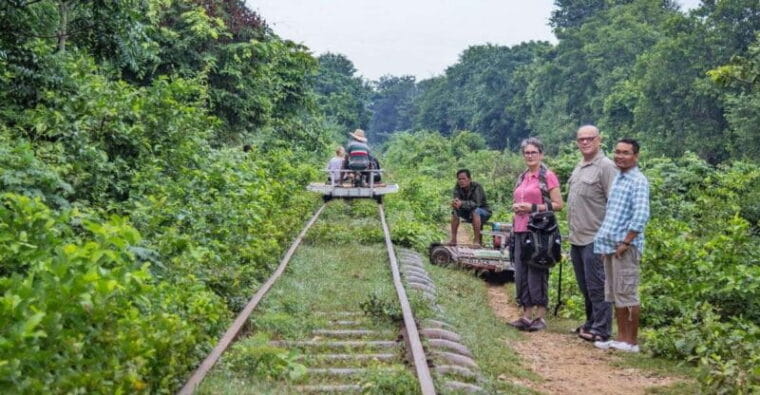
(349, 192)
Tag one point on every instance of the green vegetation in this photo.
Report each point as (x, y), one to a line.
(637, 68)
(328, 274)
(133, 227)
(465, 302)
(700, 261)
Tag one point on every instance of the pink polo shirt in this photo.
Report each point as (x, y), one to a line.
(530, 192)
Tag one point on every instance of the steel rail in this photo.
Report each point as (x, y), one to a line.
(232, 332)
(418, 353)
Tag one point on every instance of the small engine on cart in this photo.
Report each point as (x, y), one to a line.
(491, 262)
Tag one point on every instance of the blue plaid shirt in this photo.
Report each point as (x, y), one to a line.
(627, 210)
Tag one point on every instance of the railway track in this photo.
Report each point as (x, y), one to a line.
(345, 346)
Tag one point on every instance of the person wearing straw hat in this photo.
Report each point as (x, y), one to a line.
(358, 155)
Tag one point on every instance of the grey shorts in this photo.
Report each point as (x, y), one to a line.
(622, 278)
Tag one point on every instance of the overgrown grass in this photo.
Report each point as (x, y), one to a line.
(464, 299)
(342, 266)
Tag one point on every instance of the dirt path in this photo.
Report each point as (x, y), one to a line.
(568, 364)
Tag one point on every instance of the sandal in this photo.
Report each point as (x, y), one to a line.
(592, 337)
(579, 329)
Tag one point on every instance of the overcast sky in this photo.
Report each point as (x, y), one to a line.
(407, 37)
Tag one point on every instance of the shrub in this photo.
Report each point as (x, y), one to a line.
(85, 315)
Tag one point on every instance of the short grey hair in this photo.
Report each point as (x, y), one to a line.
(534, 142)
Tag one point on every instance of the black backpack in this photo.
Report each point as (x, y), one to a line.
(542, 248)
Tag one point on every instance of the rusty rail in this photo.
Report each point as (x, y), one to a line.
(208, 363)
(418, 353)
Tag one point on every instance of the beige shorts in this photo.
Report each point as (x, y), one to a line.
(621, 285)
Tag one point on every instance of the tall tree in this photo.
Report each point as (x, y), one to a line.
(741, 80)
(342, 96)
(677, 107)
(479, 93)
(575, 82)
(391, 106)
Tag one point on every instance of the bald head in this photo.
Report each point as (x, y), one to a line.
(589, 141)
(588, 129)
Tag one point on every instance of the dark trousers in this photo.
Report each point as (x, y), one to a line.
(531, 283)
(589, 272)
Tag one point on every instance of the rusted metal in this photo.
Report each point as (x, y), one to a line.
(418, 278)
(232, 332)
(413, 336)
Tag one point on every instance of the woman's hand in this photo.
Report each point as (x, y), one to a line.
(521, 208)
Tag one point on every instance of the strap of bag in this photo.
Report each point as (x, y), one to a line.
(541, 184)
(544, 187)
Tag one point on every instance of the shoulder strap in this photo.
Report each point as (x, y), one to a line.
(541, 184)
(544, 187)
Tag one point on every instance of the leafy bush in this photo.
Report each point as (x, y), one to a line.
(699, 268)
(381, 308)
(21, 172)
(85, 315)
(728, 349)
(226, 222)
(255, 356)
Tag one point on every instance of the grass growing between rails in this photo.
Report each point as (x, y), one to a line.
(342, 266)
(464, 299)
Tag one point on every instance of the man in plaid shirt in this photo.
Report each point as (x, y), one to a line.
(620, 240)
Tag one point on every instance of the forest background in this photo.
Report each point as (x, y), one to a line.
(133, 226)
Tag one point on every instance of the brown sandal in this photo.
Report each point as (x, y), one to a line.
(591, 336)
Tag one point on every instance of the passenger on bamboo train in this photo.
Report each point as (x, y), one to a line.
(537, 189)
(335, 166)
(620, 240)
(374, 164)
(358, 156)
(588, 189)
(469, 202)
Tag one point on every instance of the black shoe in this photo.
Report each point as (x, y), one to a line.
(521, 324)
(537, 325)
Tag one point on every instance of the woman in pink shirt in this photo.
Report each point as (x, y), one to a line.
(532, 283)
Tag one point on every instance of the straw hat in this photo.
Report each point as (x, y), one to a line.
(358, 134)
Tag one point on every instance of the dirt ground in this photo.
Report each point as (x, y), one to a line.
(567, 364)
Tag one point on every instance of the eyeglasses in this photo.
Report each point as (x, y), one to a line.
(530, 153)
(581, 140)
